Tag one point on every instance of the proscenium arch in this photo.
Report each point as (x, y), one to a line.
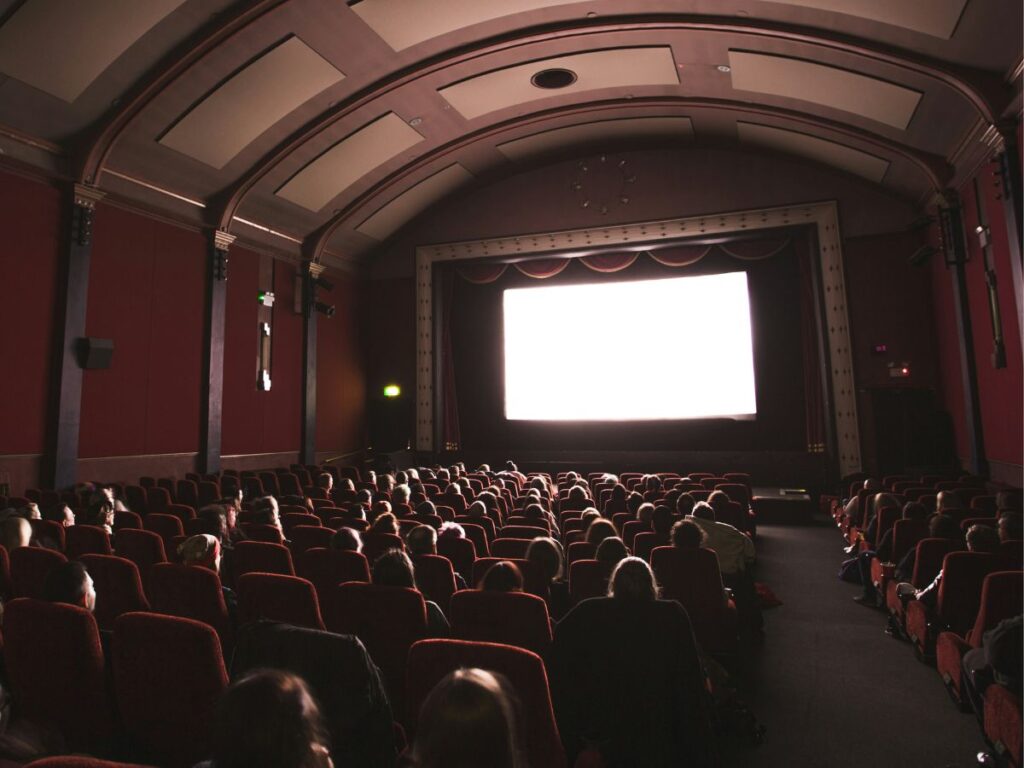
(824, 216)
(980, 89)
(935, 169)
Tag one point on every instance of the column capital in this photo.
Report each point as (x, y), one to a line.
(315, 268)
(222, 240)
(87, 196)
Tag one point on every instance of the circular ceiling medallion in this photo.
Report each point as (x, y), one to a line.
(551, 79)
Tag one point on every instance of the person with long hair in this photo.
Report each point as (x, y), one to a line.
(269, 719)
(469, 720)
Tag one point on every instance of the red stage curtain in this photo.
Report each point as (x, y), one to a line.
(680, 255)
(814, 410)
(755, 250)
(481, 273)
(542, 268)
(450, 431)
(609, 262)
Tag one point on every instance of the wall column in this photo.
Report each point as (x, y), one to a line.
(62, 463)
(311, 273)
(213, 357)
(953, 239)
(1009, 171)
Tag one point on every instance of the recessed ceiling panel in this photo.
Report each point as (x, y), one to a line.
(351, 158)
(937, 18)
(402, 23)
(60, 47)
(410, 203)
(604, 130)
(228, 119)
(613, 68)
(831, 87)
(828, 152)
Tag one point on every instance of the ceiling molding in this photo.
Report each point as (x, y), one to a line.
(985, 91)
(934, 168)
(173, 66)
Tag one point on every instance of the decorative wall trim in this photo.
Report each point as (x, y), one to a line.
(823, 215)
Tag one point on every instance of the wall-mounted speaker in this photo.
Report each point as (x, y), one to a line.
(95, 353)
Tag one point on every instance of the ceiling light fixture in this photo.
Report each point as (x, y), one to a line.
(415, 121)
(724, 68)
(553, 79)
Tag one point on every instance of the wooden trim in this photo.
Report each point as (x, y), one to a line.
(824, 216)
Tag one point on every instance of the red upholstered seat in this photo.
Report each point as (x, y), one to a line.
(86, 540)
(588, 578)
(78, 761)
(1002, 723)
(48, 533)
(963, 574)
(514, 618)
(376, 544)
(181, 511)
(461, 553)
(262, 557)
(483, 522)
(54, 664)
(29, 568)
(645, 542)
(158, 499)
(118, 587)
(435, 578)
(432, 660)
(209, 492)
(580, 550)
(1002, 593)
(279, 598)
(327, 568)
(528, 532)
(135, 496)
(268, 534)
(168, 677)
(927, 563)
(509, 548)
(187, 492)
(1011, 555)
(6, 586)
(293, 519)
(631, 529)
(692, 577)
(478, 535)
(303, 537)
(144, 548)
(167, 526)
(126, 519)
(387, 619)
(289, 484)
(190, 592)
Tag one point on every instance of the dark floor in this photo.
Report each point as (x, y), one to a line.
(830, 686)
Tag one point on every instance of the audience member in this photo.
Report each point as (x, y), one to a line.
(469, 720)
(503, 576)
(611, 653)
(70, 583)
(347, 540)
(547, 554)
(912, 510)
(385, 523)
(610, 552)
(598, 530)
(395, 569)
(15, 532)
(686, 534)
(269, 719)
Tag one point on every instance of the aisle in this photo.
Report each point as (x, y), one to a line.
(830, 686)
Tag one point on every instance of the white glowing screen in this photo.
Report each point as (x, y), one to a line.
(654, 349)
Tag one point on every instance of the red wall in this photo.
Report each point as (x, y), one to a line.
(30, 222)
(255, 421)
(147, 293)
(341, 373)
(1002, 419)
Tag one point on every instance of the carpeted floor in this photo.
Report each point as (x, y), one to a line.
(830, 686)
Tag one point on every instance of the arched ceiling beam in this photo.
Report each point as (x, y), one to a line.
(935, 169)
(985, 91)
(98, 144)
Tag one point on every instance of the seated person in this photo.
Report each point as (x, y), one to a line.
(980, 538)
(265, 511)
(470, 718)
(395, 569)
(546, 553)
(609, 653)
(385, 523)
(203, 551)
(347, 540)
(600, 529)
(502, 577)
(912, 510)
(422, 540)
(269, 719)
(939, 527)
(15, 532)
(610, 552)
(101, 514)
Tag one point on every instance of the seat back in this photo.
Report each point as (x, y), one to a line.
(435, 578)
(588, 578)
(528, 532)
(326, 568)
(157, 499)
(168, 697)
(29, 569)
(905, 536)
(126, 519)
(303, 537)
(580, 550)
(261, 557)
(279, 598)
(181, 511)
(118, 587)
(534, 581)
(387, 619)
(166, 526)
(1011, 555)
(263, 532)
(460, 552)
(48, 533)
(693, 578)
(54, 664)
(509, 548)
(6, 586)
(1002, 593)
(187, 492)
(963, 574)
(86, 540)
(190, 592)
(631, 529)
(144, 548)
(645, 542)
(292, 519)
(376, 544)
(430, 661)
(928, 561)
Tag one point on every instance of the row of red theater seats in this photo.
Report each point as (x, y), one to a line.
(978, 590)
